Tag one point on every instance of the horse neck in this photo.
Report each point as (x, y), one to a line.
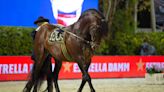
(80, 28)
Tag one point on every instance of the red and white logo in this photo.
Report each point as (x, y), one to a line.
(68, 7)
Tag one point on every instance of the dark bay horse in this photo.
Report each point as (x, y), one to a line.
(79, 39)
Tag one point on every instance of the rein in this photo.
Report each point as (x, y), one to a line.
(91, 43)
(62, 28)
(88, 42)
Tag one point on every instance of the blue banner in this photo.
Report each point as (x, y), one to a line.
(25, 12)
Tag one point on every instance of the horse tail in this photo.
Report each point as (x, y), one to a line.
(46, 70)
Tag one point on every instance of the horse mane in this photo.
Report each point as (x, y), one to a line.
(99, 16)
(92, 10)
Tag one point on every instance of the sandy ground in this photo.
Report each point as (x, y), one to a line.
(100, 85)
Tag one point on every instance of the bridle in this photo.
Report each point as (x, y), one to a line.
(91, 43)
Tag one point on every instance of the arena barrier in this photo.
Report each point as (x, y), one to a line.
(18, 67)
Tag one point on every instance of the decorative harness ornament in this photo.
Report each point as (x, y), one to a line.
(56, 35)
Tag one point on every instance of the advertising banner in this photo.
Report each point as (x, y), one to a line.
(18, 67)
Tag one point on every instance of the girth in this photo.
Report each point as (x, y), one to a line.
(65, 51)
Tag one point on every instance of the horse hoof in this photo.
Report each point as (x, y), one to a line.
(48, 90)
(45, 90)
(79, 90)
(25, 90)
(93, 90)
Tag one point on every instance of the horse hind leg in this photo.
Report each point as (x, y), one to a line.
(46, 70)
(49, 83)
(28, 86)
(35, 87)
(30, 82)
(39, 64)
(48, 67)
(58, 65)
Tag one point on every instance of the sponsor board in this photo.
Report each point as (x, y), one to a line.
(19, 67)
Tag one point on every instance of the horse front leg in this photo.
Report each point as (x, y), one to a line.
(83, 81)
(58, 65)
(89, 78)
(85, 77)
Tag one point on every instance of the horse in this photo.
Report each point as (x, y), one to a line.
(79, 41)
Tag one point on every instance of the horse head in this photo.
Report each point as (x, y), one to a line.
(97, 27)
